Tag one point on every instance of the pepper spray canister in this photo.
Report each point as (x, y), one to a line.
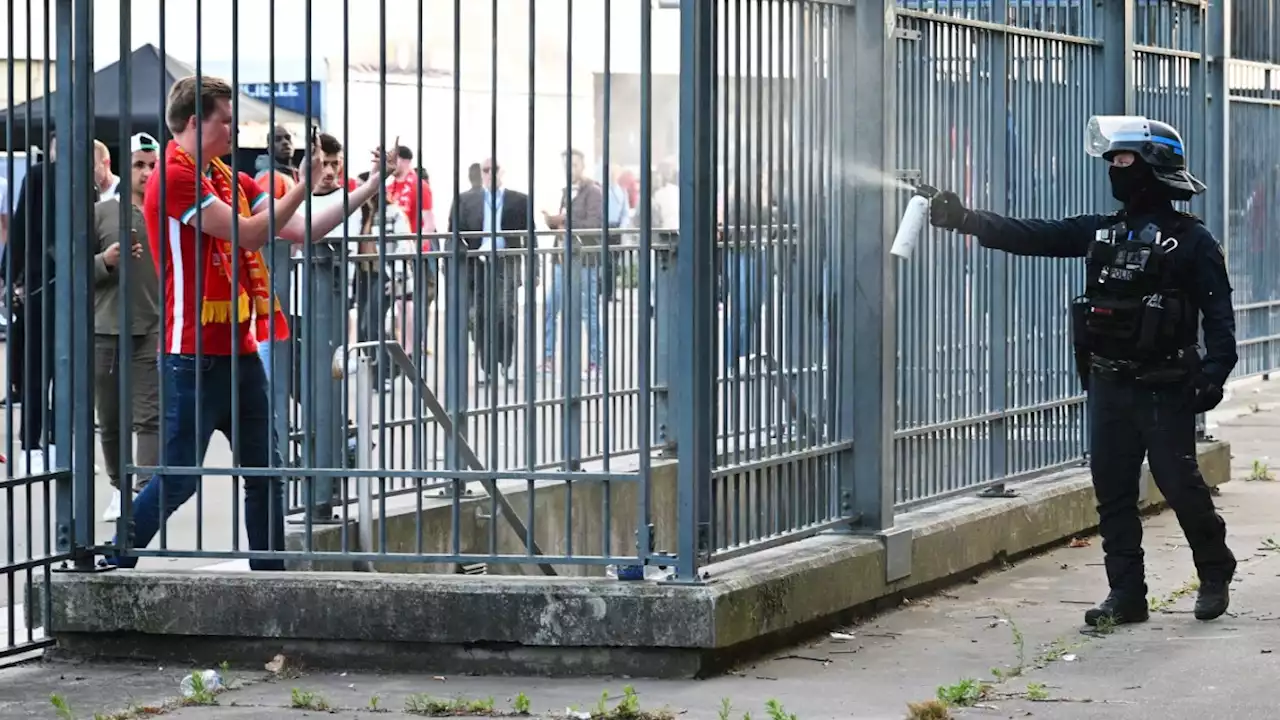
(914, 220)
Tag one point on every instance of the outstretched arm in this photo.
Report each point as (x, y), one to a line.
(327, 218)
(1065, 238)
(1042, 238)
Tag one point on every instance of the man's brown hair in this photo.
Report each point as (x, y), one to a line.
(183, 96)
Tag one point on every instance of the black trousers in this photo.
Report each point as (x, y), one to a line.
(373, 302)
(1129, 420)
(34, 333)
(493, 302)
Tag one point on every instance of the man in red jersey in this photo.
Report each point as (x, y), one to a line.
(411, 190)
(412, 193)
(217, 306)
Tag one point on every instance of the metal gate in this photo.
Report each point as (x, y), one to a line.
(757, 360)
(45, 327)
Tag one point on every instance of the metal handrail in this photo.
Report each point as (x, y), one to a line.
(364, 424)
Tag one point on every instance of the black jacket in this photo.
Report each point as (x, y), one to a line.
(468, 210)
(1200, 269)
(32, 242)
(30, 250)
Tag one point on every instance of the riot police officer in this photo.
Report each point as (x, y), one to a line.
(1152, 273)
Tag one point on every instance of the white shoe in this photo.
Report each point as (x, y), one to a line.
(26, 464)
(112, 513)
(51, 454)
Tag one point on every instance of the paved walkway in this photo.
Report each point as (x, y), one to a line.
(1022, 623)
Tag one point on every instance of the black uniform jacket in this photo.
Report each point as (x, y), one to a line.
(1200, 268)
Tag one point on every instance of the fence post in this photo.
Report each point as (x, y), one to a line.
(73, 341)
(1117, 87)
(325, 308)
(666, 306)
(1217, 132)
(869, 302)
(281, 361)
(694, 368)
(998, 372)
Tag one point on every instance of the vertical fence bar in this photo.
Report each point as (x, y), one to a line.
(1217, 147)
(1116, 90)
(644, 535)
(1216, 144)
(998, 369)
(695, 368)
(871, 307)
(66, 182)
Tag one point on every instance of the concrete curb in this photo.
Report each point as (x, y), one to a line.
(568, 626)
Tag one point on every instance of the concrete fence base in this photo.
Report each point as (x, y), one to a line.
(569, 625)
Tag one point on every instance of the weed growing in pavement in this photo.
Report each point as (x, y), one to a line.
(307, 700)
(776, 712)
(424, 704)
(964, 693)
(1162, 604)
(201, 694)
(1106, 625)
(928, 710)
(1020, 645)
(521, 704)
(1037, 692)
(61, 708)
(1260, 472)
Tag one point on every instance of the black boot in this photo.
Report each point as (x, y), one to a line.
(1213, 600)
(1121, 608)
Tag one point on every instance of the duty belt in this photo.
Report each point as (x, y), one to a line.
(1174, 368)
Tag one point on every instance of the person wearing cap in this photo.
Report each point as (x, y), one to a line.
(1154, 278)
(135, 343)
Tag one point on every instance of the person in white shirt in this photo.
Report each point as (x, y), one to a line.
(108, 182)
(327, 191)
(666, 199)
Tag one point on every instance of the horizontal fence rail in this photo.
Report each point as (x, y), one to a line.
(612, 301)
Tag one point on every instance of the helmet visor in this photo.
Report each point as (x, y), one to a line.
(1105, 132)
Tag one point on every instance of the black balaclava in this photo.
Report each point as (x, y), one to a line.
(1138, 188)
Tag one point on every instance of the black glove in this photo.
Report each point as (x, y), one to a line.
(1202, 394)
(946, 211)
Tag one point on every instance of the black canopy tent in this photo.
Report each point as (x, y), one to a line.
(151, 76)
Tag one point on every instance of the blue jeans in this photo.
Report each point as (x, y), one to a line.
(744, 296)
(589, 294)
(263, 496)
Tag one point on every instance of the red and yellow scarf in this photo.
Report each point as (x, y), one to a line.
(252, 289)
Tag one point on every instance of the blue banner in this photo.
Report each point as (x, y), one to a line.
(288, 96)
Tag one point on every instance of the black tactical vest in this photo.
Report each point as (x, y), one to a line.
(1132, 309)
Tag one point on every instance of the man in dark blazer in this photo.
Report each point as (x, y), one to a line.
(503, 216)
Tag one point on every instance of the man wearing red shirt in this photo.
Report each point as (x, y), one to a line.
(212, 325)
(412, 192)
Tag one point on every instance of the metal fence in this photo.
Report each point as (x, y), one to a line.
(555, 386)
